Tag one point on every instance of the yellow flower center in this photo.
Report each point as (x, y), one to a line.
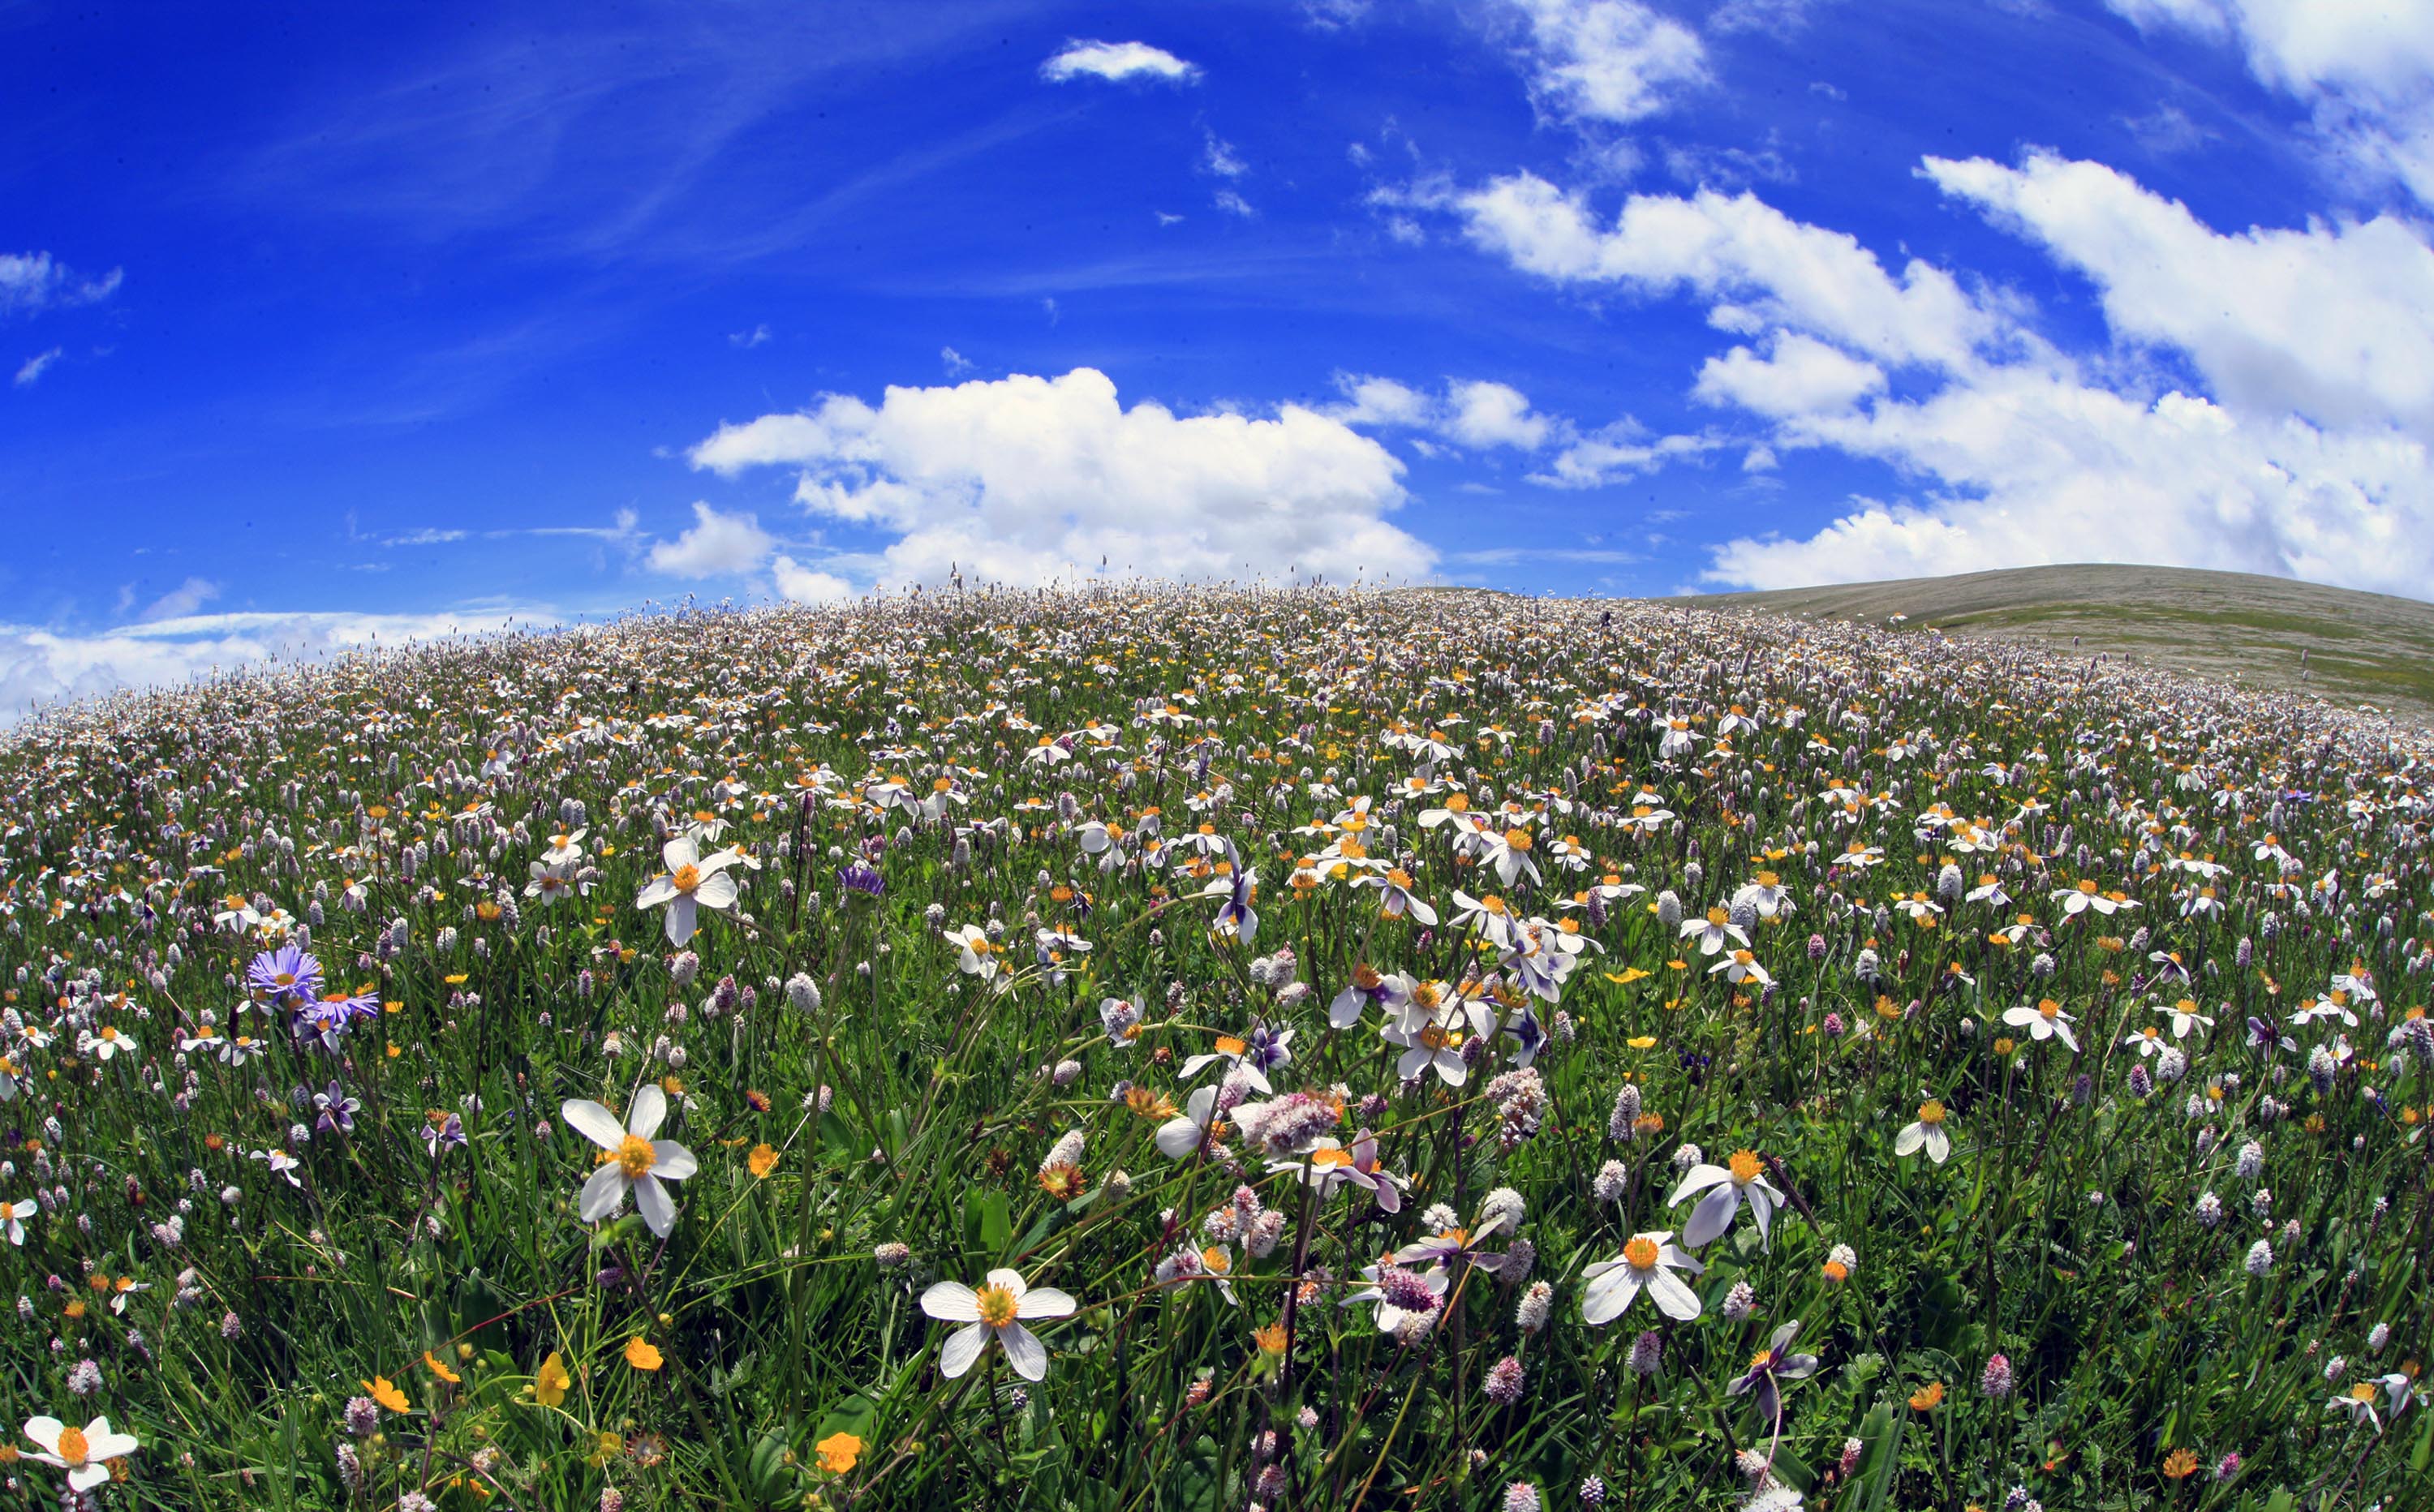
(1639, 1254)
(635, 1157)
(2048, 1009)
(1330, 1156)
(1744, 1166)
(1434, 1038)
(687, 878)
(1931, 1111)
(73, 1447)
(1518, 839)
(997, 1306)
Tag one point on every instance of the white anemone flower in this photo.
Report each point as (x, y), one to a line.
(14, 1215)
(83, 1452)
(638, 1162)
(1184, 1132)
(1741, 1179)
(1928, 1133)
(691, 883)
(994, 1309)
(2044, 1021)
(1647, 1264)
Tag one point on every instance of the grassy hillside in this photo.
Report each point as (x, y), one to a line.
(2256, 632)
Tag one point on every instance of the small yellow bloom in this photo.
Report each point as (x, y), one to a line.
(643, 1354)
(762, 1160)
(439, 1368)
(551, 1381)
(385, 1392)
(838, 1452)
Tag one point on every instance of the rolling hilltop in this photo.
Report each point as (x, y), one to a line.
(2350, 648)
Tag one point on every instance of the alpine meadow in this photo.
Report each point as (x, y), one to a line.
(1188, 1049)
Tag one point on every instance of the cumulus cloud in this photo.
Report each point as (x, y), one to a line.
(1027, 480)
(2267, 407)
(1615, 61)
(1473, 412)
(2335, 322)
(806, 585)
(717, 546)
(32, 282)
(1761, 267)
(40, 667)
(1113, 60)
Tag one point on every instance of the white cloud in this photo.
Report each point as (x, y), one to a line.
(31, 281)
(1762, 265)
(41, 667)
(1473, 412)
(746, 340)
(2364, 69)
(425, 536)
(2335, 322)
(1622, 449)
(717, 546)
(1800, 375)
(954, 361)
(1487, 414)
(182, 601)
(1607, 59)
(804, 585)
(2272, 412)
(1026, 480)
(1218, 157)
(1117, 61)
(31, 371)
(1233, 204)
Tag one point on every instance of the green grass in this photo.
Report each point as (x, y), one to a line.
(846, 1086)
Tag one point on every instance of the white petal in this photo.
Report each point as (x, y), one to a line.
(951, 1300)
(655, 893)
(1711, 1217)
(963, 1347)
(1910, 1139)
(604, 1193)
(1024, 1351)
(89, 1476)
(680, 920)
(648, 1109)
(594, 1122)
(1046, 1302)
(659, 1209)
(44, 1431)
(1939, 1144)
(1178, 1138)
(1674, 1299)
(1610, 1296)
(1701, 1177)
(717, 890)
(680, 853)
(672, 1161)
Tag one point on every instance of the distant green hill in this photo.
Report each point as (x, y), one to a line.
(2347, 647)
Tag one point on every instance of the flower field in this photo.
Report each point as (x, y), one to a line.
(1200, 1049)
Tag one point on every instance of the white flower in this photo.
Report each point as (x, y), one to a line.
(81, 1452)
(1648, 1261)
(1182, 1134)
(638, 1164)
(690, 883)
(1726, 1186)
(1928, 1133)
(14, 1215)
(994, 1309)
(2044, 1021)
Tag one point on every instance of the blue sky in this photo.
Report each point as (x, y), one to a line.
(334, 323)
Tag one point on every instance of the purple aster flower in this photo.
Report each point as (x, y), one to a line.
(285, 976)
(863, 878)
